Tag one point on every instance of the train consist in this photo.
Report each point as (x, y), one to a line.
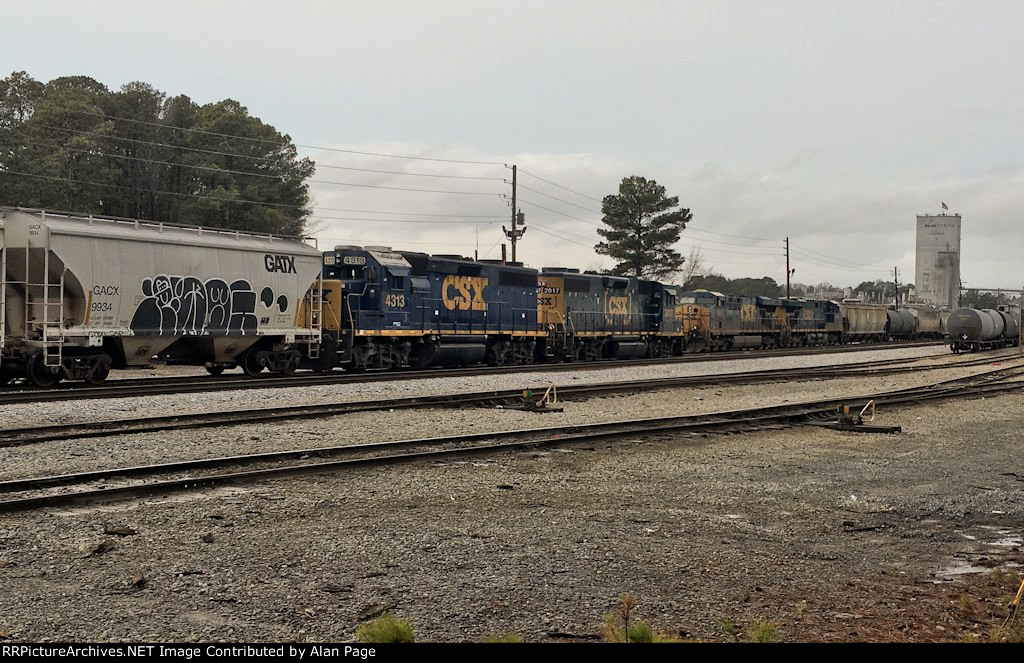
(82, 295)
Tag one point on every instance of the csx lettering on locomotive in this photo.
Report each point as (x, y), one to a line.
(465, 293)
(618, 306)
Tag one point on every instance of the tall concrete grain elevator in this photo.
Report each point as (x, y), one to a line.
(937, 272)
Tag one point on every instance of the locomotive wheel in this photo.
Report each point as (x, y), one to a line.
(39, 375)
(251, 363)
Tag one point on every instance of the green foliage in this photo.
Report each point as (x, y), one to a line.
(385, 629)
(84, 148)
(977, 299)
(763, 632)
(618, 628)
(643, 226)
(726, 626)
(764, 286)
(507, 638)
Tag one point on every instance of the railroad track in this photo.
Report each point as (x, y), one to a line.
(129, 482)
(13, 437)
(202, 384)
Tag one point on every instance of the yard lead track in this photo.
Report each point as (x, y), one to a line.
(201, 384)
(990, 383)
(38, 434)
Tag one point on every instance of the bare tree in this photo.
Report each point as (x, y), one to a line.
(694, 265)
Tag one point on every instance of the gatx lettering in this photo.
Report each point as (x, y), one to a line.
(277, 263)
(465, 293)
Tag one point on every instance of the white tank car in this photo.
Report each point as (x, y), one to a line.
(83, 294)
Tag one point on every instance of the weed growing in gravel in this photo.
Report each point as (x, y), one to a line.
(763, 632)
(618, 628)
(508, 637)
(385, 629)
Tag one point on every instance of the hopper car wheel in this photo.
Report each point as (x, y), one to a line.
(215, 370)
(251, 363)
(289, 368)
(40, 375)
(99, 376)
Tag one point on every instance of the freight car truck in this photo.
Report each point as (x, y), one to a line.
(80, 295)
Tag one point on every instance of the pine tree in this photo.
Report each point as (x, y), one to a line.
(643, 226)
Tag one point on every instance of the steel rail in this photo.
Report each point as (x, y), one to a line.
(38, 434)
(994, 382)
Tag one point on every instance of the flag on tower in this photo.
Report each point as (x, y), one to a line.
(944, 206)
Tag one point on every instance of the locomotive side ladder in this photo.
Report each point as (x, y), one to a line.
(315, 322)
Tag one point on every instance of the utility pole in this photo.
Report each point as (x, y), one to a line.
(517, 219)
(896, 280)
(788, 273)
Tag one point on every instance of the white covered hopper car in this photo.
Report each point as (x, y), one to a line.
(81, 295)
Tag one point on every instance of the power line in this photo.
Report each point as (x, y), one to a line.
(840, 260)
(278, 177)
(285, 144)
(548, 209)
(756, 239)
(250, 202)
(596, 200)
(425, 221)
(585, 209)
(558, 230)
(564, 239)
(735, 252)
(155, 144)
(206, 197)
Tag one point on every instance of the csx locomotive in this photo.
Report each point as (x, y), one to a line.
(80, 295)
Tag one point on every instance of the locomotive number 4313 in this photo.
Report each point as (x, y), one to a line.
(395, 300)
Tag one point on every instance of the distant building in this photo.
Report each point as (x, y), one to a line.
(937, 272)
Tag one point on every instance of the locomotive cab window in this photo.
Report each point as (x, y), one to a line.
(352, 272)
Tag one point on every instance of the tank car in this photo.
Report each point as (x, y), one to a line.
(82, 295)
(386, 308)
(982, 329)
(900, 324)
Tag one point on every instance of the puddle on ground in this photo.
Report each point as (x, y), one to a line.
(960, 568)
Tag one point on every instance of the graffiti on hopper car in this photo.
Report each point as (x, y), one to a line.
(189, 306)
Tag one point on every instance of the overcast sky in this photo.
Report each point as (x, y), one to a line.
(831, 123)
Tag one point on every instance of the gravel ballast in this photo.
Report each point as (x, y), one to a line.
(827, 535)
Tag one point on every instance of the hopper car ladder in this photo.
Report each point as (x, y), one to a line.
(48, 300)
